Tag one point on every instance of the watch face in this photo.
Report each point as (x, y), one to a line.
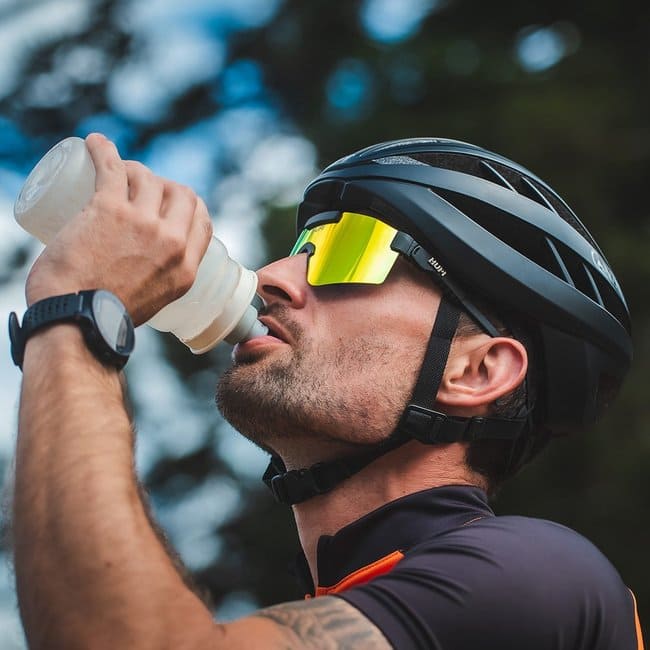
(113, 322)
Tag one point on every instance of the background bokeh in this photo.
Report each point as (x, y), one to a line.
(245, 100)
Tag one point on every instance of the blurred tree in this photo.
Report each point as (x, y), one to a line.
(560, 87)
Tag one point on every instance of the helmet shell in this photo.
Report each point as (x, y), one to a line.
(507, 238)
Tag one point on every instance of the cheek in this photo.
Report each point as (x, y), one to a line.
(380, 334)
(373, 367)
(372, 380)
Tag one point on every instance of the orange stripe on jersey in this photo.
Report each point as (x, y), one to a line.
(639, 635)
(363, 575)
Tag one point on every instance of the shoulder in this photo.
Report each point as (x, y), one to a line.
(506, 579)
(525, 548)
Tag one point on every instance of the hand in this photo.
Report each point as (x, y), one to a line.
(141, 237)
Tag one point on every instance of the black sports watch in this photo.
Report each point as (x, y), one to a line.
(106, 325)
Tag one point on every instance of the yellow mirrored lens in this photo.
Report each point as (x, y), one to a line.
(355, 249)
(304, 237)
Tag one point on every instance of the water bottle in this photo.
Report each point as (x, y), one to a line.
(218, 306)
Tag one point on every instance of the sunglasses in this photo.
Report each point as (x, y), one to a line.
(352, 248)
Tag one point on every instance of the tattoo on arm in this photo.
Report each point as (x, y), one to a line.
(325, 623)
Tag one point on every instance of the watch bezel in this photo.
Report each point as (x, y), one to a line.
(94, 333)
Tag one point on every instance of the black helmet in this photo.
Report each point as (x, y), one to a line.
(507, 239)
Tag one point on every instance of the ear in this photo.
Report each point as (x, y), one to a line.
(481, 369)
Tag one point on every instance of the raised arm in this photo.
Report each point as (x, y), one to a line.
(91, 571)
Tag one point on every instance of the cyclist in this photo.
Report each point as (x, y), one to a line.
(442, 315)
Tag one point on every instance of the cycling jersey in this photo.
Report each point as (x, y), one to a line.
(438, 570)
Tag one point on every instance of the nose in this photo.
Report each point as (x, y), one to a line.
(285, 281)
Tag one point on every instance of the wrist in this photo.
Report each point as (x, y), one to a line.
(46, 285)
(57, 340)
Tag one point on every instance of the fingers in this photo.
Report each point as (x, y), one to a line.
(109, 167)
(178, 202)
(199, 235)
(145, 188)
(165, 221)
(186, 223)
(184, 232)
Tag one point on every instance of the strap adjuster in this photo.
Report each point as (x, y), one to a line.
(278, 487)
(298, 485)
(431, 427)
(423, 424)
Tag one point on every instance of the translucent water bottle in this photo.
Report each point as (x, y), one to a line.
(217, 307)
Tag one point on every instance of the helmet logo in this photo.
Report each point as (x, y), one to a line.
(601, 265)
(437, 266)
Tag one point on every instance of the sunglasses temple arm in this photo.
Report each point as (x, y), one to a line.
(407, 246)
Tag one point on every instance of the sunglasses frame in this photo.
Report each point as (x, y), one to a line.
(406, 246)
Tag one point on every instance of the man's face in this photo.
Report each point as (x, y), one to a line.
(338, 366)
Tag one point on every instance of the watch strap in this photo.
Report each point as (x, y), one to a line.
(71, 307)
(45, 312)
(51, 310)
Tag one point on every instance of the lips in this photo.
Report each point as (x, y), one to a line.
(275, 330)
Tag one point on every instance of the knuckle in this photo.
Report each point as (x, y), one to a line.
(188, 191)
(136, 169)
(114, 165)
(174, 245)
(186, 276)
(184, 192)
(134, 165)
(209, 228)
(146, 224)
(190, 196)
(105, 205)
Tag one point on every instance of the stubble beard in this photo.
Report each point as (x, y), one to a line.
(304, 393)
(265, 399)
(267, 396)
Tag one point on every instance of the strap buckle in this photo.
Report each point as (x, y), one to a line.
(430, 427)
(423, 424)
(298, 485)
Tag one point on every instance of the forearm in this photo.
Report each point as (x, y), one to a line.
(90, 570)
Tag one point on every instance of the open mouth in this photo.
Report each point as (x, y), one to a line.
(274, 330)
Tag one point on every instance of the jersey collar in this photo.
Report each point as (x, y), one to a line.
(394, 527)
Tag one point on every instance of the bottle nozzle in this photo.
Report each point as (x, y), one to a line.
(258, 329)
(247, 328)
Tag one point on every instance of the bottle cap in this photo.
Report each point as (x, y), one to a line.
(58, 187)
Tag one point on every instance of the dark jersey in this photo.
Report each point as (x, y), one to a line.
(437, 569)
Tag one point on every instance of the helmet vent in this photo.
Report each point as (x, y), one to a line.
(563, 271)
(564, 211)
(536, 191)
(533, 193)
(495, 172)
(493, 175)
(398, 160)
(594, 286)
(579, 275)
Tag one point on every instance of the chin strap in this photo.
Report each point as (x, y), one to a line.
(418, 422)
(298, 485)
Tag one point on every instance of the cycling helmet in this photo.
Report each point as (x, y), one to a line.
(504, 237)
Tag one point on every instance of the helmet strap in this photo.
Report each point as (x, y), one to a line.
(419, 421)
(297, 485)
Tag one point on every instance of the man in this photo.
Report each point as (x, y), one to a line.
(442, 315)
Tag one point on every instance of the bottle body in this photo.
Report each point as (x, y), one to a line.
(217, 306)
(212, 309)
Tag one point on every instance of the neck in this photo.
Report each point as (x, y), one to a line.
(408, 469)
